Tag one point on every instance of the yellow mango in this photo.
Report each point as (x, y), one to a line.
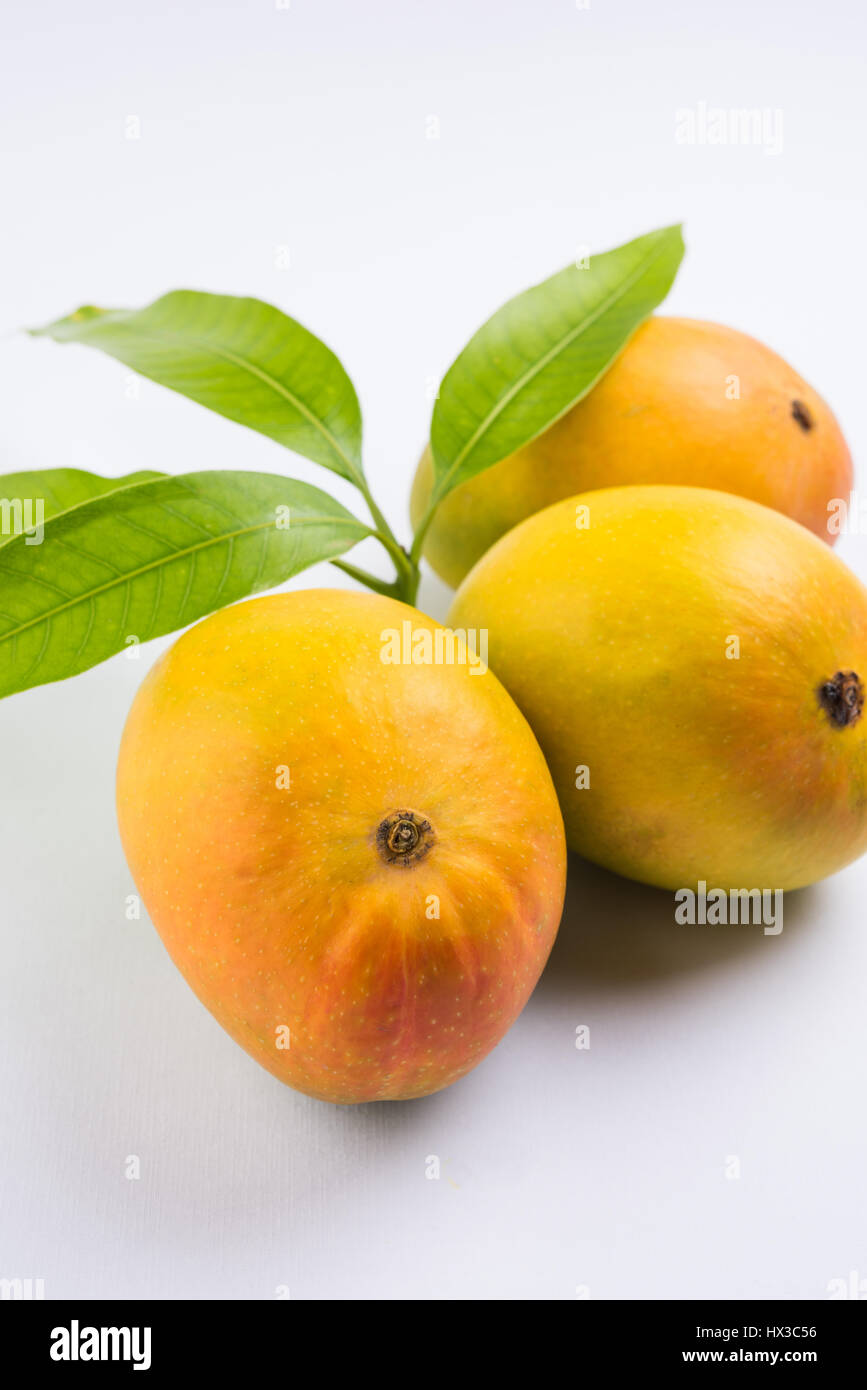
(693, 667)
(354, 854)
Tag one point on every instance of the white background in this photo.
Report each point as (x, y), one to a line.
(306, 128)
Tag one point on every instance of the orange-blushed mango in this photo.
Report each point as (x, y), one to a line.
(357, 863)
(693, 665)
(687, 403)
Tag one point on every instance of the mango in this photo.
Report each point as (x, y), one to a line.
(693, 666)
(687, 403)
(347, 837)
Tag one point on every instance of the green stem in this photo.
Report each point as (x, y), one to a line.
(384, 531)
(406, 584)
(410, 592)
(422, 530)
(380, 586)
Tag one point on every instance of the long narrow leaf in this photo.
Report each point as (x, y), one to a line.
(239, 357)
(145, 560)
(542, 351)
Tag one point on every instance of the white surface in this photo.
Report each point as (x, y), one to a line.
(306, 128)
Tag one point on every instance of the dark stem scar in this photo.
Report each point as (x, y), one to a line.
(842, 698)
(404, 838)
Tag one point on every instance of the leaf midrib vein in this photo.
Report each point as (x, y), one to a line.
(266, 377)
(542, 363)
(168, 560)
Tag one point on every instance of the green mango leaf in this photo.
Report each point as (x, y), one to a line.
(145, 560)
(542, 351)
(242, 358)
(57, 489)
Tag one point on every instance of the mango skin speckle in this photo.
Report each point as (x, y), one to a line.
(347, 977)
(675, 643)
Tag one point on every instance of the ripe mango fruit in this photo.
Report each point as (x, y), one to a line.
(687, 403)
(693, 666)
(357, 861)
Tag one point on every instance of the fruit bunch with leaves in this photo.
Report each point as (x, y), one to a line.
(135, 557)
(676, 686)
